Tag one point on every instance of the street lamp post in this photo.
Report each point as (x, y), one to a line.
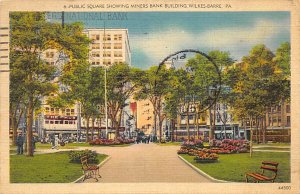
(105, 99)
(78, 121)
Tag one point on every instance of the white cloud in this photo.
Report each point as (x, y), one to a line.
(159, 44)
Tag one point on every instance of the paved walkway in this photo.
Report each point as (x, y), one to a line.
(145, 163)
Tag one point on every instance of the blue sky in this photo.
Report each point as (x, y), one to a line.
(154, 35)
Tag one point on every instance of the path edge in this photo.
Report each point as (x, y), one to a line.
(101, 164)
(201, 172)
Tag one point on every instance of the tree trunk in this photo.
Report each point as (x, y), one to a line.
(14, 129)
(197, 124)
(154, 124)
(29, 126)
(178, 125)
(118, 124)
(87, 129)
(188, 125)
(99, 126)
(251, 140)
(172, 129)
(264, 129)
(93, 127)
(256, 131)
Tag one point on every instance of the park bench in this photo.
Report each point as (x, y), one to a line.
(89, 171)
(260, 177)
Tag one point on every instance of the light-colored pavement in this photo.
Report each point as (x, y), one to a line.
(145, 163)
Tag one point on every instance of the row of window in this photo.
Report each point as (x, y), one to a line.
(49, 54)
(66, 122)
(278, 109)
(107, 46)
(107, 62)
(106, 37)
(107, 54)
(67, 111)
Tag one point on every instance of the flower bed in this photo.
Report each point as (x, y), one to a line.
(108, 142)
(203, 157)
(230, 146)
(193, 144)
(75, 156)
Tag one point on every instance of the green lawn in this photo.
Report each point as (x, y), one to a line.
(273, 144)
(273, 148)
(66, 146)
(45, 168)
(232, 167)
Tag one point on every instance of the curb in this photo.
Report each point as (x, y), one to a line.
(101, 164)
(201, 172)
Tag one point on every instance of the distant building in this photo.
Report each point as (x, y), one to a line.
(109, 46)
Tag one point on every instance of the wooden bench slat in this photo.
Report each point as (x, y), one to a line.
(267, 165)
(269, 168)
(270, 163)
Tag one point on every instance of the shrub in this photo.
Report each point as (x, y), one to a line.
(75, 156)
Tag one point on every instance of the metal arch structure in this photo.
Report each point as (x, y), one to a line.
(209, 59)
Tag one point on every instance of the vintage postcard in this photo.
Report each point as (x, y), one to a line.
(149, 96)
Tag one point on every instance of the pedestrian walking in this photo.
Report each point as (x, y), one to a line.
(20, 142)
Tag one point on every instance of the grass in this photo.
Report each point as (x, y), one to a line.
(170, 144)
(232, 167)
(273, 148)
(272, 144)
(45, 168)
(66, 146)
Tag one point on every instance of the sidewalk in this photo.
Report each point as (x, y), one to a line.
(145, 163)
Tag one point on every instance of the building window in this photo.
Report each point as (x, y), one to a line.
(218, 118)
(106, 46)
(95, 37)
(61, 122)
(49, 54)
(68, 112)
(66, 122)
(95, 46)
(52, 110)
(95, 54)
(47, 110)
(46, 122)
(56, 122)
(63, 111)
(51, 122)
(72, 111)
(106, 62)
(106, 54)
(56, 110)
(106, 37)
(118, 46)
(288, 121)
(117, 61)
(279, 108)
(288, 108)
(118, 54)
(118, 37)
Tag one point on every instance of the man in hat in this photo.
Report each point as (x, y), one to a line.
(20, 142)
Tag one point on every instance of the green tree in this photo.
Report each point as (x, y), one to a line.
(85, 86)
(31, 35)
(153, 85)
(258, 88)
(122, 82)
